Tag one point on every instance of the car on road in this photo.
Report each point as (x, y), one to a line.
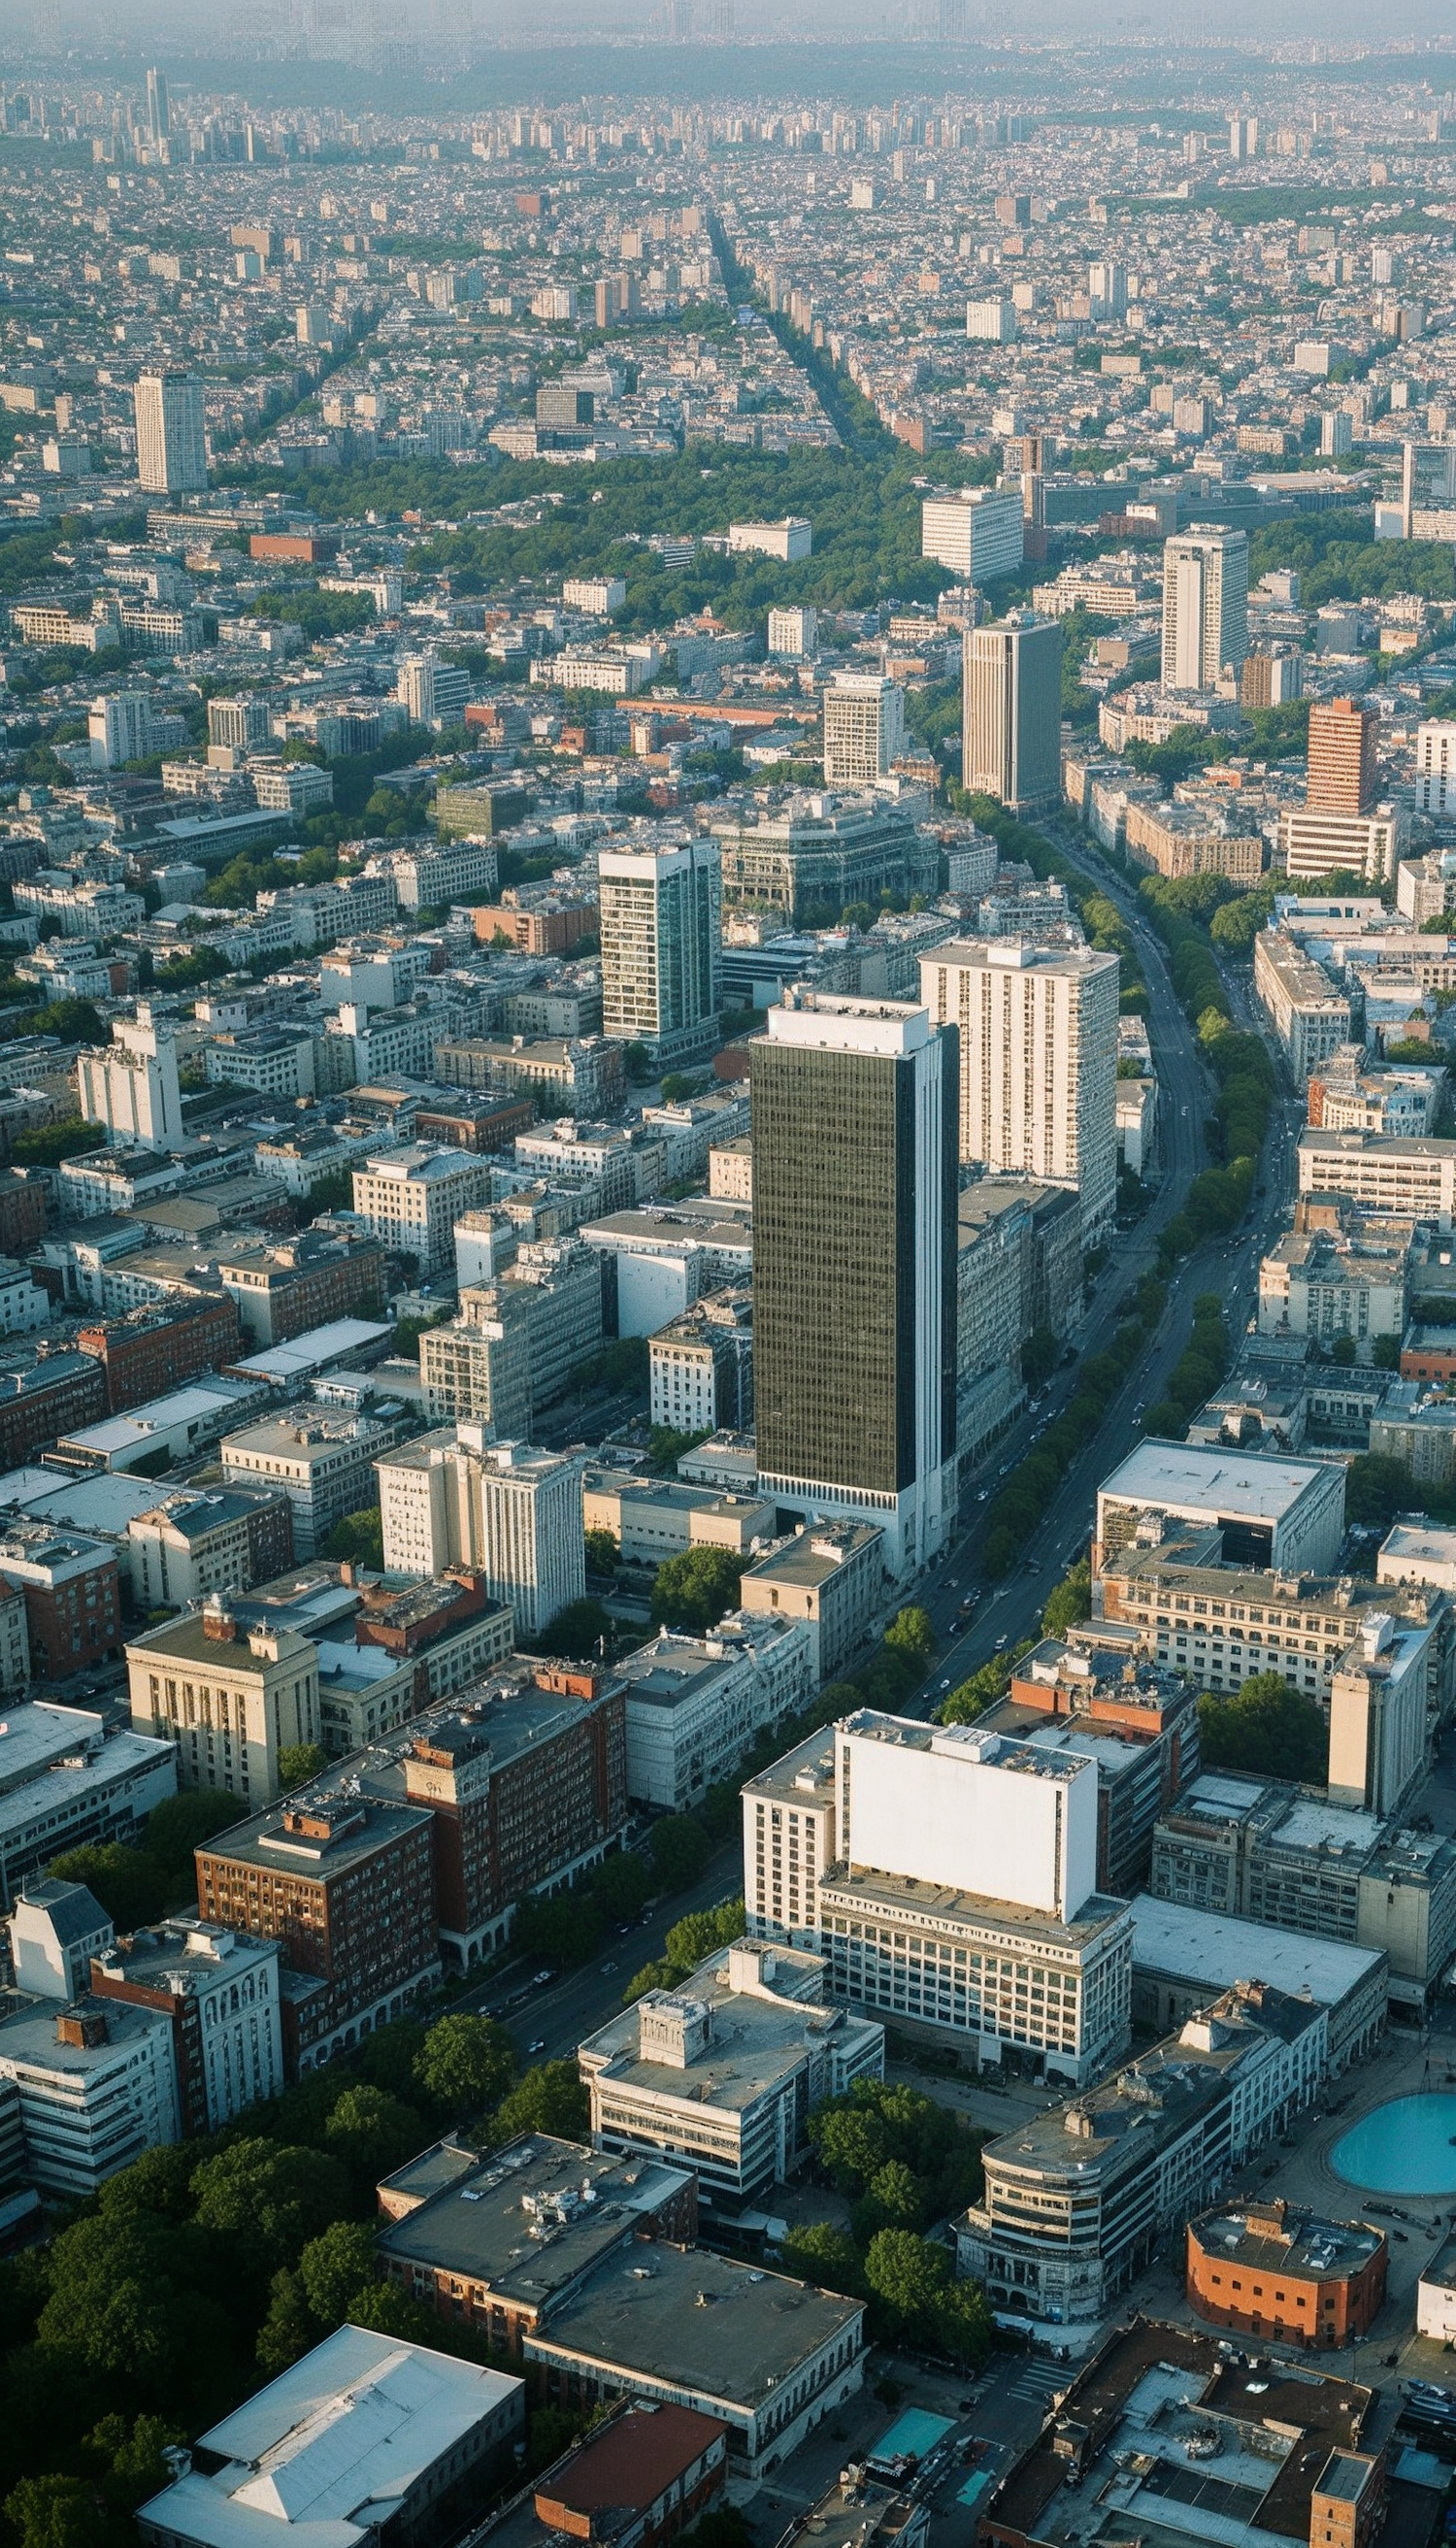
(538, 2045)
(546, 1974)
(1001, 1642)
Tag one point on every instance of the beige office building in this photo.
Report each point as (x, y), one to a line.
(230, 1698)
(1039, 1061)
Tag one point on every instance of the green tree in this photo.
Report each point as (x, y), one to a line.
(298, 1763)
(893, 2200)
(1039, 1356)
(679, 1852)
(464, 2064)
(50, 1143)
(1377, 1488)
(181, 1823)
(372, 2134)
(911, 1634)
(603, 1552)
(358, 1540)
(579, 1630)
(1069, 1602)
(289, 2328)
(268, 2199)
(1386, 1353)
(1267, 1727)
(119, 2302)
(126, 1882)
(691, 1592)
(55, 2512)
(913, 2297)
(550, 2099)
(334, 2268)
(820, 2252)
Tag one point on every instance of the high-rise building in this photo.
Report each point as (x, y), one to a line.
(456, 1498)
(661, 945)
(412, 1199)
(1038, 1062)
(793, 631)
(1342, 774)
(131, 1085)
(1011, 710)
(854, 1183)
(863, 728)
(976, 531)
(171, 443)
(1435, 766)
(1205, 606)
(121, 728)
(1107, 289)
(158, 108)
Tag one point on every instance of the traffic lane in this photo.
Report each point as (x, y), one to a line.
(560, 2012)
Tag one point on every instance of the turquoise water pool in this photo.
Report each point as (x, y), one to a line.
(1405, 2148)
(911, 2435)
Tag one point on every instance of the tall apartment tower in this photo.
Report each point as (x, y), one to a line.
(1205, 606)
(1011, 710)
(661, 947)
(1342, 774)
(531, 1545)
(171, 445)
(131, 1085)
(1435, 766)
(158, 108)
(1038, 1062)
(856, 1105)
(864, 729)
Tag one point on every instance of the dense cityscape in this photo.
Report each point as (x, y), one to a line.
(727, 1283)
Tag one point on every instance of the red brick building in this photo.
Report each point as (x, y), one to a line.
(294, 1284)
(300, 548)
(477, 1125)
(346, 1885)
(72, 1596)
(154, 1349)
(52, 1394)
(541, 924)
(1266, 2269)
(639, 2480)
(526, 1785)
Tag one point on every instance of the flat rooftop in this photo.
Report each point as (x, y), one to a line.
(728, 2332)
(1274, 2238)
(907, 1897)
(526, 2220)
(1214, 1951)
(1211, 1479)
(757, 2038)
(804, 1775)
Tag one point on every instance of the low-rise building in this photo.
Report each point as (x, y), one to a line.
(1404, 1180)
(324, 1464)
(1158, 2411)
(84, 2090)
(1077, 2198)
(1311, 1017)
(230, 1699)
(203, 1540)
(220, 1992)
(700, 1366)
(1264, 1851)
(409, 1200)
(1180, 1955)
(1279, 1513)
(1322, 1284)
(722, 2073)
(346, 1885)
(66, 1780)
(695, 1704)
(647, 2473)
(651, 1518)
(464, 2232)
(366, 2434)
(70, 1588)
(831, 1576)
(1265, 2269)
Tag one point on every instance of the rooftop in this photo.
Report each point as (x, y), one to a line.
(740, 2025)
(1213, 1479)
(700, 2321)
(527, 2220)
(334, 2447)
(1216, 1951)
(1275, 2238)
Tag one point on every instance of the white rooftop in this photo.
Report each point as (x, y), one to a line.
(1211, 1479)
(1213, 1949)
(312, 1350)
(333, 2448)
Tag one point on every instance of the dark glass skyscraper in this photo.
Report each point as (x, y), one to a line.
(855, 1186)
